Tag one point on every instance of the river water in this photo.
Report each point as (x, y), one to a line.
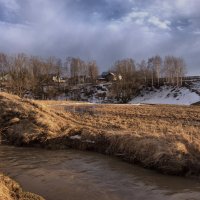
(76, 175)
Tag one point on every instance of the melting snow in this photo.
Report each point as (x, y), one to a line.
(75, 137)
(167, 95)
(89, 141)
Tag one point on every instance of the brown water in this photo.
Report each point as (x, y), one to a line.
(75, 175)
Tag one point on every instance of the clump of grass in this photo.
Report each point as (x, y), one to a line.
(11, 190)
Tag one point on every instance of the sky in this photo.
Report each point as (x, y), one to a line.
(102, 30)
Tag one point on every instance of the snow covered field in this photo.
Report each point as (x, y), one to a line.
(167, 95)
(100, 94)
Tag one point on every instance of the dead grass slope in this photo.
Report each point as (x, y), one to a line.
(165, 138)
(10, 190)
(26, 122)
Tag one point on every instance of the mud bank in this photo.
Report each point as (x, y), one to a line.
(157, 137)
(11, 190)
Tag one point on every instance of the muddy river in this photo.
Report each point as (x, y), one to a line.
(76, 175)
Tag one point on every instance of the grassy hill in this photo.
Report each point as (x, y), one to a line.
(161, 137)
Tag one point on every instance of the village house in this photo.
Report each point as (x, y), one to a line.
(58, 79)
(109, 77)
(52, 85)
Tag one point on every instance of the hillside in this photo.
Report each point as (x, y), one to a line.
(102, 93)
(160, 137)
(168, 95)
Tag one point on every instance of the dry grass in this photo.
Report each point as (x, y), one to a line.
(53, 102)
(161, 137)
(10, 190)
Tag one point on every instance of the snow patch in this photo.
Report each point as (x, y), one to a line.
(167, 95)
(89, 141)
(75, 137)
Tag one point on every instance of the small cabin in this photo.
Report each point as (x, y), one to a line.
(110, 76)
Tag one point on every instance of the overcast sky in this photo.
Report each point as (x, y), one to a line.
(102, 30)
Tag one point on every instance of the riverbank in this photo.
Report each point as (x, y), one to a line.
(164, 138)
(11, 190)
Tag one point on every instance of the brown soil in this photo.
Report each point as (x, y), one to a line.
(165, 138)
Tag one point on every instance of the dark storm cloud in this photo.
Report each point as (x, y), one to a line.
(104, 30)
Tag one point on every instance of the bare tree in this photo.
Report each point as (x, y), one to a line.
(4, 64)
(151, 68)
(174, 70)
(93, 71)
(180, 68)
(75, 65)
(157, 62)
(154, 66)
(144, 71)
(125, 88)
(20, 78)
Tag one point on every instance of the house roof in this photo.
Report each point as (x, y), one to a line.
(104, 74)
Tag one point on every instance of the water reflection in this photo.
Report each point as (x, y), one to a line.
(75, 175)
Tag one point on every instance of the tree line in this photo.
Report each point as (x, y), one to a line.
(151, 73)
(31, 73)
